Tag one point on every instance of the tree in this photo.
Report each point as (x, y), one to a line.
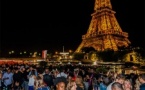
(107, 55)
(78, 56)
(101, 69)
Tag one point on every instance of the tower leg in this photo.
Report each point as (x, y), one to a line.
(80, 47)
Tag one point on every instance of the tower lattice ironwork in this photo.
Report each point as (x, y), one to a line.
(104, 31)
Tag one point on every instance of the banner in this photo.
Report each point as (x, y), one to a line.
(44, 53)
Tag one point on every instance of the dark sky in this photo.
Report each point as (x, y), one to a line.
(51, 24)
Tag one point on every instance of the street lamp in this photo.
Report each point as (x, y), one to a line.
(20, 53)
(56, 52)
(10, 52)
(30, 53)
(39, 54)
(25, 52)
(70, 51)
(79, 63)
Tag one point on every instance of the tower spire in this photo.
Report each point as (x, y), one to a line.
(99, 4)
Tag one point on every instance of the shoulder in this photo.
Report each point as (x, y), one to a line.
(109, 86)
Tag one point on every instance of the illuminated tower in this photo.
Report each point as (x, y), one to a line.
(104, 31)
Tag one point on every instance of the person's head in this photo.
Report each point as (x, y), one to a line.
(72, 85)
(60, 86)
(8, 70)
(141, 78)
(91, 70)
(116, 86)
(33, 72)
(127, 85)
(120, 78)
(16, 70)
(60, 83)
(31, 68)
(79, 79)
(23, 69)
(46, 70)
(69, 78)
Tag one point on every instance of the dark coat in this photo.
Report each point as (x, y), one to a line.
(48, 80)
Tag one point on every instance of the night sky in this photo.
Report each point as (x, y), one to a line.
(51, 24)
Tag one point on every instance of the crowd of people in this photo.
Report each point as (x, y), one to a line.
(66, 77)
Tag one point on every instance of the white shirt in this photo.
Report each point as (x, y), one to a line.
(109, 87)
(31, 81)
(62, 74)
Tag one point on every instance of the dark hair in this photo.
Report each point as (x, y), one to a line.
(60, 79)
(142, 76)
(120, 76)
(15, 68)
(33, 72)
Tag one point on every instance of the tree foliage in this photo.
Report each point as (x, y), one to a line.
(78, 56)
(110, 55)
(107, 55)
(101, 69)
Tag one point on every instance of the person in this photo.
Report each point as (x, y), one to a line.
(86, 81)
(16, 86)
(7, 79)
(142, 81)
(33, 70)
(119, 78)
(17, 79)
(104, 83)
(127, 85)
(137, 84)
(39, 83)
(79, 83)
(60, 86)
(25, 72)
(62, 73)
(32, 78)
(116, 86)
(47, 78)
(0, 80)
(71, 85)
(60, 83)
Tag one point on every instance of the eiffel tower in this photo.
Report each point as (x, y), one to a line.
(104, 31)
